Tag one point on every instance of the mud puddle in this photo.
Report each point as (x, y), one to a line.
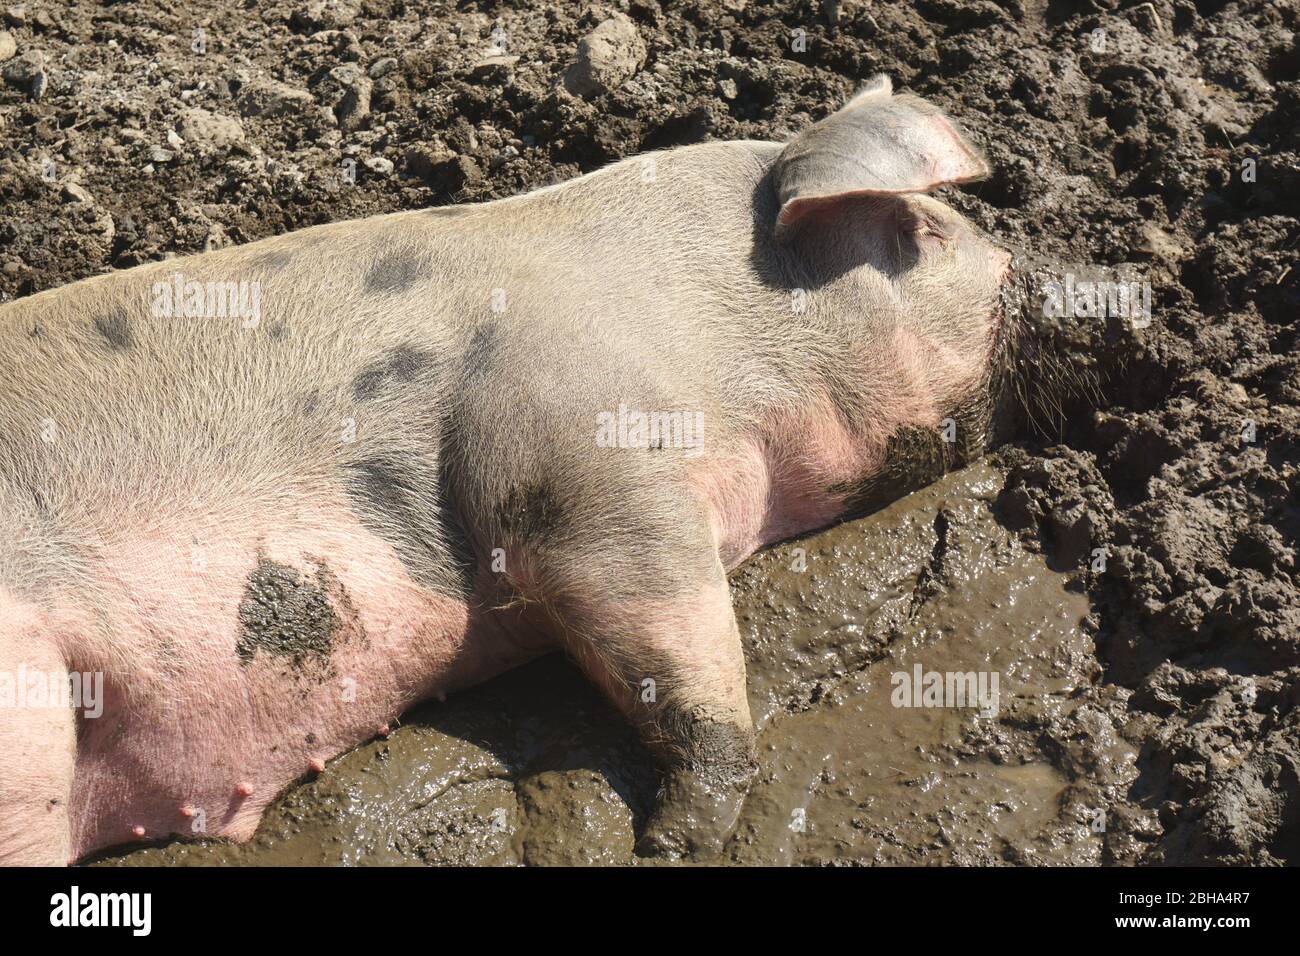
(534, 768)
(931, 589)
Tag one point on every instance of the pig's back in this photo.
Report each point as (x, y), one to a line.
(349, 311)
(359, 350)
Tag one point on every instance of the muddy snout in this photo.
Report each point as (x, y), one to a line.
(1057, 323)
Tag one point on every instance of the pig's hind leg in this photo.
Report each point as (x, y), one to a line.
(37, 743)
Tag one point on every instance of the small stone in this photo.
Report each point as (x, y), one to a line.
(382, 67)
(1147, 20)
(452, 175)
(1154, 243)
(347, 91)
(420, 159)
(156, 154)
(21, 72)
(497, 66)
(379, 165)
(324, 15)
(607, 56)
(265, 97)
(8, 46)
(207, 131)
(443, 169)
(71, 192)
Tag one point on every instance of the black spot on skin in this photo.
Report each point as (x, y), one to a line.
(274, 260)
(449, 212)
(382, 485)
(482, 349)
(395, 274)
(286, 615)
(277, 331)
(115, 329)
(309, 739)
(402, 364)
(530, 513)
(404, 501)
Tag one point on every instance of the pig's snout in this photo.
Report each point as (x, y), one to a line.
(1042, 365)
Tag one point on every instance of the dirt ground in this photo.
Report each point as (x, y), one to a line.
(1129, 569)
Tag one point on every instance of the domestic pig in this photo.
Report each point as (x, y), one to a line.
(271, 496)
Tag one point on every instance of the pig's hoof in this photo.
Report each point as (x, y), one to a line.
(694, 818)
(667, 843)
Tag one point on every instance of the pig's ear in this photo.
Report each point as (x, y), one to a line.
(878, 144)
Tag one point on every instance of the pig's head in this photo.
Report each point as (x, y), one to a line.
(920, 288)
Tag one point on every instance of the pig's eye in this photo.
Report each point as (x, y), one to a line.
(931, 230)
(927, 230)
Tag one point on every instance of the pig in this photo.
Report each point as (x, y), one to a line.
(269, 497)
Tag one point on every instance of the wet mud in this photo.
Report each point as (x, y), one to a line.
(1127, 564)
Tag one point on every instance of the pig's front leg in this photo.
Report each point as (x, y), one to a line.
(675, 667)
(639, 599)
(704, 734)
